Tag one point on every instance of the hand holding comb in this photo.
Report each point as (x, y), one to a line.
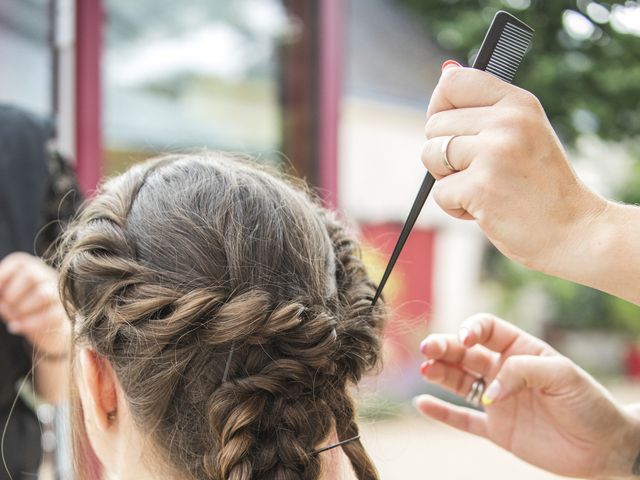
(502, 50)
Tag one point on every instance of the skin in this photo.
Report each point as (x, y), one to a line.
(118, 444)
(514, 179)
(545, 410)
(30, 306)
(124, 451)
(512, 176)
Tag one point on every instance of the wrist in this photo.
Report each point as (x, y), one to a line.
(583, 239)
(624, 457)
(53, 357)
(604, 256)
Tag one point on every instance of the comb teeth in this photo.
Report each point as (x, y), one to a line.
(509, 51)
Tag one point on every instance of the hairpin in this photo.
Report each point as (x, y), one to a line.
(339, 444)
(226, 367)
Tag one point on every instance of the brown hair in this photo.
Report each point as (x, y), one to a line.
(186, 259)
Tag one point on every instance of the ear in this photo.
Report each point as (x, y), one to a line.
(100, 388)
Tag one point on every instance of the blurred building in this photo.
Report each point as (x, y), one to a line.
(337, 89)
(392, 66)
(25, 50)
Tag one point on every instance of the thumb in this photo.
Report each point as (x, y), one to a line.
(523, 372)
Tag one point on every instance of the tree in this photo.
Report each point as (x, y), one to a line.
(584, 66)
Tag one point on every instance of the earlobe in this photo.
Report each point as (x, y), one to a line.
(100, 388)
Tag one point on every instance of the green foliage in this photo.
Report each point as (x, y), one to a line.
(586, 72)
(587, 85)
(630, 192)
(571, 305)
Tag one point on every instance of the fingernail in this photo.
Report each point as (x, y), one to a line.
(450, 64)
(13, 327)
(477, 331)
(433, 341)
(416, 400)
(463, 333)
(491, 393)
(424, 368)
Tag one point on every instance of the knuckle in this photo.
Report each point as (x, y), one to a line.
(512, 364)
(18, 256)
(502, 145)
(40, 296)
(451, 75)
(565, 365)
(429, 157)
(530, 101)
(438, 194)
(432, 124)
(479, 183)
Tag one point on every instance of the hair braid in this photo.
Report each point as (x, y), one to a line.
(270, 415)
(359, 334)
(235, 313)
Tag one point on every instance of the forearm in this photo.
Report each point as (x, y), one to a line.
(603, 252)
(624, 459)
(51, 378)
(51, 368)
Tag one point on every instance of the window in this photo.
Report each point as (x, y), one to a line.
(202, 75)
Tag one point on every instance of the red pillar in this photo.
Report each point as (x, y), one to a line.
(89, 22)
(88, 101)
(331, 42)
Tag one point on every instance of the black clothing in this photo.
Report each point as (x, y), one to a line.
(22, 449)
(24, 178)
(33, 184)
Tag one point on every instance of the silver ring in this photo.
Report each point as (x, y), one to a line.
(476, 391)
(443, 151)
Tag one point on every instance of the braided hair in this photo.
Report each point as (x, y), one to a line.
(234, 310)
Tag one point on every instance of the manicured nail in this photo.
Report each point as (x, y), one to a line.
(450, 64)
(433, 341)
(463, 333)
(424, 368)
(13, 327)
(491, 393)
(477, 331)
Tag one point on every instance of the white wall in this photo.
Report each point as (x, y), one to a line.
(25, 77)
(379, 174)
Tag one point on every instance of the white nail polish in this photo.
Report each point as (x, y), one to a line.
(477, 330)
(463, 333)
(491, 393)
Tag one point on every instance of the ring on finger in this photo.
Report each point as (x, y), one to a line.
(476, 391)
(443, 152)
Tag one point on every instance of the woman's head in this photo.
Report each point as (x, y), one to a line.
(231, 310)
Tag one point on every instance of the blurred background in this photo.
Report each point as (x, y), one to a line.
(337, 91)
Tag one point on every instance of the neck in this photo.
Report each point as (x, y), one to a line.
(132, 459)
(128, 463)
(336, 466)
(138, 471)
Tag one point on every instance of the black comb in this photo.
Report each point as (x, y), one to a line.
(502, 50)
